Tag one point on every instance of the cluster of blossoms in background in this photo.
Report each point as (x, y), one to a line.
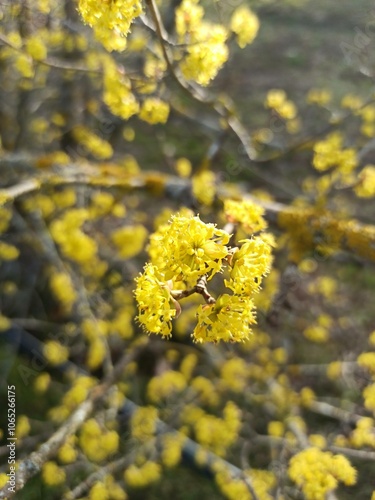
(186, 254)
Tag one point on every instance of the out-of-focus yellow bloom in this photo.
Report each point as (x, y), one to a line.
(246, 213)
(218, 434)
(334, 370)
(36, 48)
(22, 426)
(97, 443)
(118, 94)
(52, 474)
(110, 20)
(154, 110)
(245, 24)
(165, 385)
(55, 353)
(63, 289)
(369, 397)
(42, 382)
(234, 374)
(318, 472)
(67, 454)
(140, 477)
(92, 143)
(183, 167)
(204, 187)
(130, 240)
(8, 252)
(365, 188)
(172, 449)
(321, 97)
(367, 360)
(5, 323)
(143, 423)
(316, 333)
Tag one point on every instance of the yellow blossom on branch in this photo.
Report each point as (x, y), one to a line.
(245, 24)
(155, 303)
(111, 20)
(249, 265)
(246, 213)
(154, 110)
(229, 319)
(318, 472)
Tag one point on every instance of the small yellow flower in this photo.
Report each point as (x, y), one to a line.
(154, 110)
(52, 474)
(245, 24)
(229, 319)
(55, 353)
(155, 304)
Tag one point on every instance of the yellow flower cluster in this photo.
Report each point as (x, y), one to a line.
(369, 397)
(4, 478)
(52, 474)
(8, 252)
(364, 433)
(92, 143)
(67, 454)
(154, 110)
(110, 19)
(246, 213)
(207, 50)
(228, 319)
(143, 423)
(367, 360)
(55, 353)
(63, 289)
(316, 333)
(218, 434)
(276, 99)
(42, 382)
(249, 265)
(22, 426)
(188, 249)
(165, 385)
(330, 153)
(187, 252)
(234, 374)
(5, 323)
(206, 390)
(130, 240)
(107, 489)
(368, 120)
(36, 48)
(321, 97)
(245, 24)
(5, 218)
(118, 95)
(101, 204)
(207, 53)
(318, 472)
(97, 443)
(365, 187)
(72, 398)
(204, 187)
(155, 303)
(234, 488)
(172, 449)
(140, 477)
